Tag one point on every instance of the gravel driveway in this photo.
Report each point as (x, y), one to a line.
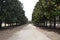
(25, 32)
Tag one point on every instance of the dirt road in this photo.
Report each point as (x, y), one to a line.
(25, 32)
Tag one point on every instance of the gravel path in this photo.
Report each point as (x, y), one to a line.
(25, 32)
(53, 34)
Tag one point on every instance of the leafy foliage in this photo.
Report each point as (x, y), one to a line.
(46, 10)
(11, 11)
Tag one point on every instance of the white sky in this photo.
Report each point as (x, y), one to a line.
(28, 7)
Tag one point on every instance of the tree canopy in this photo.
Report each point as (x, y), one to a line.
(11, 11)
(46, 10)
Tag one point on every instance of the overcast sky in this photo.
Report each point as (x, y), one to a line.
(28, 7)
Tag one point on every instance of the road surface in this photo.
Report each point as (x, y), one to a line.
(25, 32)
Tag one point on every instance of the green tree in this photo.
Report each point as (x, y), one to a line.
(11, 11)
(48, 11)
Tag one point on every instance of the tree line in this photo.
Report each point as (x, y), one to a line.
(46, 11)
(11, 11)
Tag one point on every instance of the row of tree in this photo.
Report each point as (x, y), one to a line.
(46, 11)
(11, 11)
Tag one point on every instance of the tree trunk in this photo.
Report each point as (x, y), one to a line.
(0, 25)
(5, 24)
(16, 24)
(50, 24)
(8, 25)
(59, 19)
(46, 23)
(12, 24)
(54, 22)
